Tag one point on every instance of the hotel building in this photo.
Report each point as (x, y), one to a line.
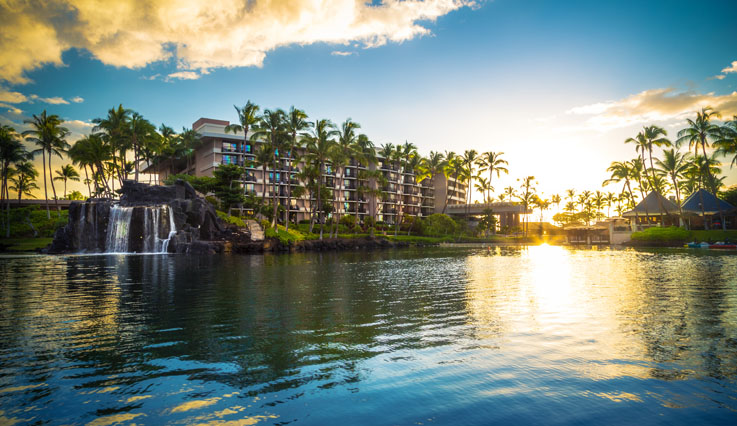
(352, 189)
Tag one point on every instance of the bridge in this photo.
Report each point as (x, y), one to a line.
(508, 213)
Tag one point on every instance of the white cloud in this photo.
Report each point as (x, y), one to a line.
(53, 101)
(731, 68)
(183, 75)
(653, 106)
(11, 108)
(77, 99)
(12, 97)
(202, 34)
(717, 77)
(341, 53)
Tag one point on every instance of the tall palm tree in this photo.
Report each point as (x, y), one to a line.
(189, 140)
(455, 169)
(555, 199)
(470, 157)
(139, 129)
(727, 143)
(115, 129)
(674, 165)
(65, 174)
(271, 127)
(493, 162)
(319, 146)
(247, 118)
(296, 124)
(527, 191)
(622, 171)
(347, 147)
(701, 132)
(484, 187)
(12, 152)
(48, 134)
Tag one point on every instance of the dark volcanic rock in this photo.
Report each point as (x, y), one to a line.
(194, 219)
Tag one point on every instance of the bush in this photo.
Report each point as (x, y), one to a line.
(285, 237)
(233, 220)
(19, 218)
(439, 224)
(672, 234)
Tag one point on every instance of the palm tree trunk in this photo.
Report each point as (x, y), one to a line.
(7, 202)
(275, 193)
(46, 192)
(87, 181)
(53, 188)
(135, 156)
(289, 189)
(319, 198)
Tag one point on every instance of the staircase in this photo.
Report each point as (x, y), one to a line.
(257, 232)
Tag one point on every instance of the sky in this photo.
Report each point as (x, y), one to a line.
(555, 85)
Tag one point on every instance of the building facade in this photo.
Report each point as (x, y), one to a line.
(400, 193)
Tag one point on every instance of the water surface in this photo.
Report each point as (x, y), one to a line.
(538, 335)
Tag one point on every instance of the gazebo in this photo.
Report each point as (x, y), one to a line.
(704, 210)
(654, 210)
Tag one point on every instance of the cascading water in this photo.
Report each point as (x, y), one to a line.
(152, 223)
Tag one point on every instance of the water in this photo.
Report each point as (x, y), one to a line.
(156, 231)
(538, 335)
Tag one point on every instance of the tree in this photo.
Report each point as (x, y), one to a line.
(622, 171)
(189, 140)
(24, 179)
(454, 169)
(115, 129)
(65, 174)
(727, 143)
(11, 152)
(470, 157)
(346, 147)
(139, 130)
(319, 145)
(271, 128)
(484, 187)
(247, 118)
(526, 196)
(48, 134)
(674, 165)
(492, 162)
(296, 124)
(700, 132)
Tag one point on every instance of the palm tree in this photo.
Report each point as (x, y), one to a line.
(48, 135)
(189, 140)
(93, 152)
(247, 118)
(319, 146)
(610, 199)
(622, 171)
(727, 143)
(139, 129)
(24, 179)
(598, 200)
(263, 159)
(700, 132)
(674, 165)
(571, 194)
(455, 169)
(526, 196)
(347, 147)
(11, 152)
(470, 157)
(492, 162)
(555, 199)
(66, 173)
(271, 127)
(484, 187)
(115, 129)
(295, 125)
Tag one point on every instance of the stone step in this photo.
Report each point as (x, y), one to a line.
(257, 232)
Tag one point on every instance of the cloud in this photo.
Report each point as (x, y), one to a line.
(77, 129)
(341, 53)
(77, 99)
(717, 77)
(731, 68)
(12, 97)
(53, 101)
(11, 108)
(204, 34)
(183, 75)
(653, 105)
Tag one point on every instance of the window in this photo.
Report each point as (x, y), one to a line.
(248, 148)
(347, 172)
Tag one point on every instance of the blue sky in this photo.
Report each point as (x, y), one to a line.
(556, 85)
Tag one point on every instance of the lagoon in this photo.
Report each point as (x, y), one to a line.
(443, 335)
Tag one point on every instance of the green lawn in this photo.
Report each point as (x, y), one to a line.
(23, 244)
(714, 235)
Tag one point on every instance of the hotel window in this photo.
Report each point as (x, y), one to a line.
(247, 148)
(228, 159)
(345, 206)
(347, 172)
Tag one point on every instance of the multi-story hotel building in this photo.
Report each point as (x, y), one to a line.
(402, 190)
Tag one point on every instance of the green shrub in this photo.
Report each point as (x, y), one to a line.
(439, 224)
(233, 220)
(284, 236)
(672, 233)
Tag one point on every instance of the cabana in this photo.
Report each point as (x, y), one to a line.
(654, 210)
(705, 211)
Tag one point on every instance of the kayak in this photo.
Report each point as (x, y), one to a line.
(698, 245)
(723, 246)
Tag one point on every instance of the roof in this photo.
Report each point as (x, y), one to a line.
(712, 204)
(651, 206)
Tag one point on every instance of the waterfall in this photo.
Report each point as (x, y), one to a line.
(117, 229)
(155, 224)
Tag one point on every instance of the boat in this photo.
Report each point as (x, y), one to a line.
(723, 246)
(698, 245)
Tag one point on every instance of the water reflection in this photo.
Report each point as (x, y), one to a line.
(415, 335)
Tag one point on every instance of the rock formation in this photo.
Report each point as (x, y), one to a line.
(147, 219)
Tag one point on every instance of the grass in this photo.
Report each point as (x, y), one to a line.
(23, 244)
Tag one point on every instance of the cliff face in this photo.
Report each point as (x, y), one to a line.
(146, 219)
